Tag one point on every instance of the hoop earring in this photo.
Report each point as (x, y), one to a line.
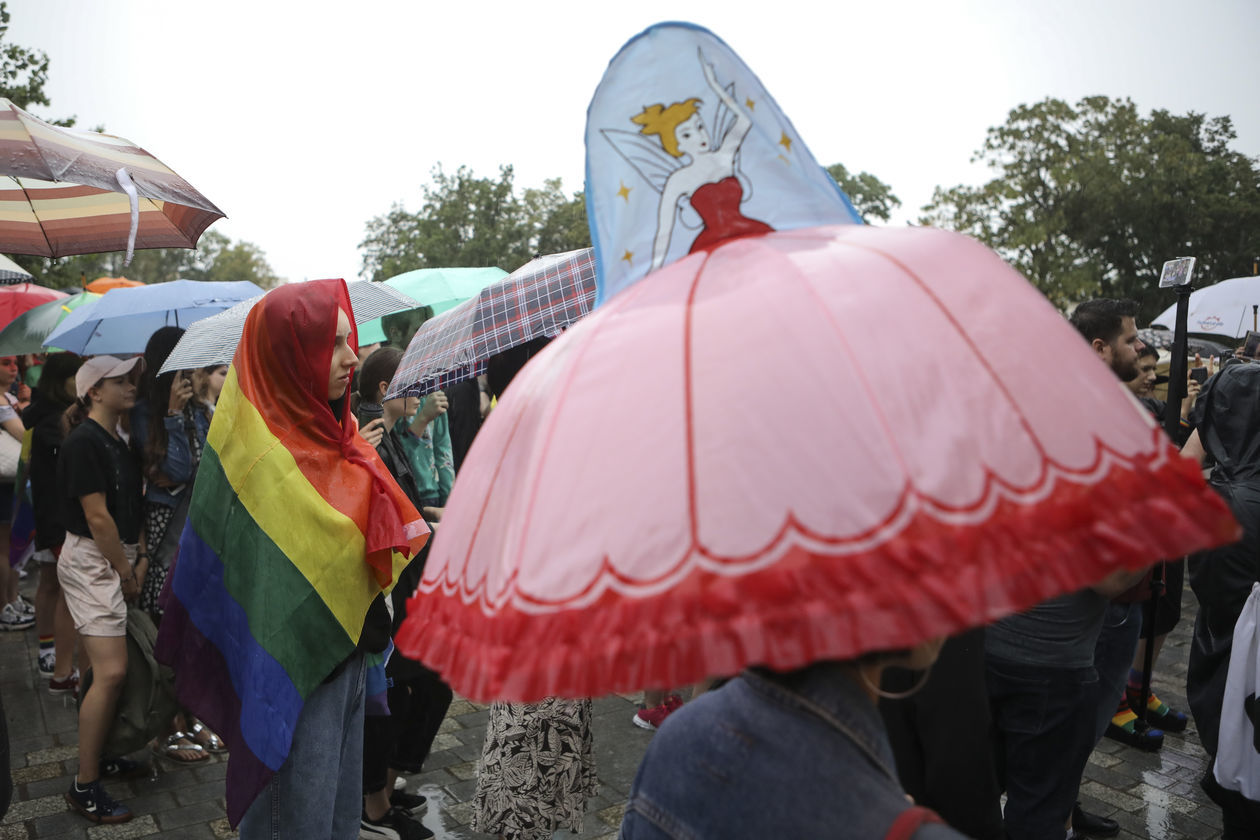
(897, 695)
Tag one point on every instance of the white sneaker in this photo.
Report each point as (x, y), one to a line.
(24, 606)
(11, 619)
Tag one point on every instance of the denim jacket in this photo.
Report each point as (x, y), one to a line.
(800, 755)
(178, 466)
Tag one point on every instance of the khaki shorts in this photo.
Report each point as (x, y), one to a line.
(93, 589)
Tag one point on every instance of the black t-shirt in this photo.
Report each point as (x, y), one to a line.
(94, 461)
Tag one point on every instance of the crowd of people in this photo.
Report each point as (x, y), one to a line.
(1011, 709)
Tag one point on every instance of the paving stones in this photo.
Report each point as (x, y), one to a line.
(1151, 795)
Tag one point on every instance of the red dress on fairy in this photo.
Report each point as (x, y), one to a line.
(718, 206)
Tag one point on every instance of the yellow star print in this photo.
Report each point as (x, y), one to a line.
(628, 256)
(752, 106)
(785, 141)
(624, 192)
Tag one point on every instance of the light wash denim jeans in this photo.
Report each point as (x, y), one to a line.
(319, 790)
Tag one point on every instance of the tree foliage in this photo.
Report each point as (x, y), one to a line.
(23, 71)
(470, 221)
(871, 197)
(23, 75)
(216, 258)
(1089, 200)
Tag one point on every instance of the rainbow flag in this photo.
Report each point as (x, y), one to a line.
(288, 540)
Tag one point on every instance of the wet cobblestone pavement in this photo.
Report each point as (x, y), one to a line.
(1151, 795)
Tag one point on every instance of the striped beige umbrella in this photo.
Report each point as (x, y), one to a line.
(65, 192)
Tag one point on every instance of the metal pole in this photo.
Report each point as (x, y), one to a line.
(1172, 426)
(1177, 365)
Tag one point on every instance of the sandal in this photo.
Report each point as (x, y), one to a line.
(211, 742)
(181, 748)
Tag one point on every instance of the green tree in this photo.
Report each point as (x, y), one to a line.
(1089, 200)
(470, 221)
(556, 223)
(464, 221)
(871, 197)
(23, 71)
(216, 257)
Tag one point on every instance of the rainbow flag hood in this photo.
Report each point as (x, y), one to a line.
(294, 527)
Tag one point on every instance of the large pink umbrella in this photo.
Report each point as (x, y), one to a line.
(797, 446)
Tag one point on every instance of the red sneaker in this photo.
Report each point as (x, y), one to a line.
(651, 718)
(673, 702)
(70, 685)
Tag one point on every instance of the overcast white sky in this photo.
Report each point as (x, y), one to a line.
(302, 120)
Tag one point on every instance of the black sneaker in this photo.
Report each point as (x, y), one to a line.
(394, 825)
(409, 803)
(93, 802)
(123, 768)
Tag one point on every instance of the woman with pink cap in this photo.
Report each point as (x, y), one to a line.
(98, 486)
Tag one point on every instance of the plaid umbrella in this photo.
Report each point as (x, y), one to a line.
(11, 272)
(66, 192)
(542, 297)
(213, 340)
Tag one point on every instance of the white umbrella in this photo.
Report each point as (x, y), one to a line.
(11, 272)
(213, 340)
(1227, 309)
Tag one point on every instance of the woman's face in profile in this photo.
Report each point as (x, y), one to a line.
(343, 359)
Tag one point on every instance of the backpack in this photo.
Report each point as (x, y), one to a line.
(147, 704)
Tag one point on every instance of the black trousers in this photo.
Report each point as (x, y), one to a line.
(941, 738)
(418, 700)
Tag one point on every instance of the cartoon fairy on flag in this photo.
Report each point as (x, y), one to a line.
(713, 158)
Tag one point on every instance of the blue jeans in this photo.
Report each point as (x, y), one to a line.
(319, 790)
(1044, 719)
(1113, 656)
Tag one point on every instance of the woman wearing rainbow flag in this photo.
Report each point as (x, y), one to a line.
(294, 528)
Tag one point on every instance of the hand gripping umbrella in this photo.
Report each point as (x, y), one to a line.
(716, 469)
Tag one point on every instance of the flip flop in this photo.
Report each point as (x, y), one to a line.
(211, 742)
(173, 750)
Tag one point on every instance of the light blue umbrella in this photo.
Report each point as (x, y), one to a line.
(122, 321)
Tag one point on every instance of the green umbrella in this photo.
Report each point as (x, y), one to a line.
(439, 288)
(26, 332)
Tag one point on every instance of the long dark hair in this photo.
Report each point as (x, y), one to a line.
(156, 389)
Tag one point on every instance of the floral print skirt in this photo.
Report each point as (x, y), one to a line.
(537, 769)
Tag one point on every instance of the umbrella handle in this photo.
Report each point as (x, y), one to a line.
(129, 187)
